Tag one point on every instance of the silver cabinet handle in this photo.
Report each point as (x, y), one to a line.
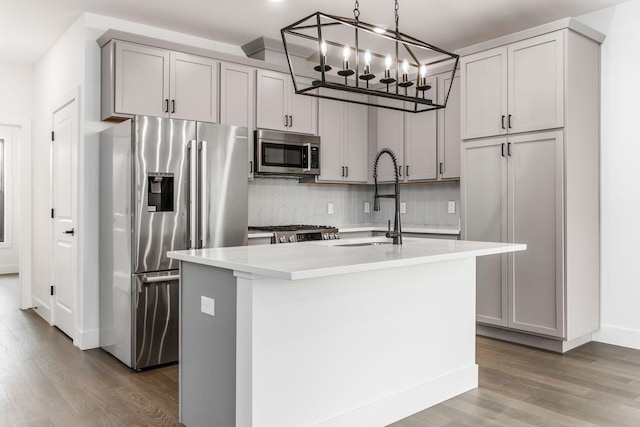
(157, 279)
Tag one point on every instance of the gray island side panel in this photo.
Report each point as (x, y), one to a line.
(207, 347)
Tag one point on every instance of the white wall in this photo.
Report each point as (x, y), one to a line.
(16, 91)
(620, 175)
(58, 73)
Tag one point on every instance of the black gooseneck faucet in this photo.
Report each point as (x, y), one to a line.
(396, 234)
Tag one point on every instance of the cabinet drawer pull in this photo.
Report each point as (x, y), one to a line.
(166, 105)
(509, 149)
(250, 166)
(509, 121)
(400, 171)
(502, 149)
(503, 123)
(347, 171)
(343, 171)
(290, 121)
(407, 170)
(173, 106)
(441, 168)
(286, 121)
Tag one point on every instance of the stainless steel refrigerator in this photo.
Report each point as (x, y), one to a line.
(165, 185)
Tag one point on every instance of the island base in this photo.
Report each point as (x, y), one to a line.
(365, 348)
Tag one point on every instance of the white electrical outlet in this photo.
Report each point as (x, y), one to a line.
(208, 305)
(367, 207)
(452, 206)
(403, 207)
(330, 208)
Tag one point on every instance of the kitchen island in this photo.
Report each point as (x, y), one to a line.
(331, 333)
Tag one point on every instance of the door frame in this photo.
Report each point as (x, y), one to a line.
(71, 96)
(23, 145)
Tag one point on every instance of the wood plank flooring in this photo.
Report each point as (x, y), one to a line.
(46, 381)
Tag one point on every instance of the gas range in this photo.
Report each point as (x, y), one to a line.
(298, 233)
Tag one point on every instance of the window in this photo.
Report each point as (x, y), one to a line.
(2, 189)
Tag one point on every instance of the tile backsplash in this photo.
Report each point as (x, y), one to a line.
(279, 201)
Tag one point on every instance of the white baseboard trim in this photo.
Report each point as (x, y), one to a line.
(9, 269)
(86, 340)
(43, 310)
(614, 335)
(408, 402)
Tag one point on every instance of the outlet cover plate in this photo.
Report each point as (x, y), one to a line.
(208, 305)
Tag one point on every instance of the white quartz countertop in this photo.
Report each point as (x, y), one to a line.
(306, 260)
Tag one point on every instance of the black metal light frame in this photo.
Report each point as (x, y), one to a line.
(418, 104)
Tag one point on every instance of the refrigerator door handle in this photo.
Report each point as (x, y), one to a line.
(192, 216)
(156, 279)
(202, 189)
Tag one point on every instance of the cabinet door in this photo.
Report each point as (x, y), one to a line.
(141, 80)
(331, 131)
(484, 215)
(484, 94)
(390, 134)
(194, 88)
(271, 108)
(536, 83)
(302, 109)
(536, 218)
(449, 128)
(420, 140)
(237, 92)
(356, 142)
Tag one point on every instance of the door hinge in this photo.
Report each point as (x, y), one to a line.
(53, 136)
(51, 289)
(52, 213)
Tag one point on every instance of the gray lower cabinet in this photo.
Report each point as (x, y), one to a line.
(514, 193)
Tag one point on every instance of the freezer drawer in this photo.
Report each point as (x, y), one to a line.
(155, 319)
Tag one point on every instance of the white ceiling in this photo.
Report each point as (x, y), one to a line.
(29, 27)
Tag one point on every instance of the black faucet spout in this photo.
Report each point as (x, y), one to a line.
(396, 234)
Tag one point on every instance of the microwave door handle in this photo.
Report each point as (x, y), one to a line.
(308, 168)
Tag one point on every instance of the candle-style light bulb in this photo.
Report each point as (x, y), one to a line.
(346, 52)
(367, 58)
(323, 48)
(405, 67)
(388, 62)
(423, 71)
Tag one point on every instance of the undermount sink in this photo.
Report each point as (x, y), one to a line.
(364, 244)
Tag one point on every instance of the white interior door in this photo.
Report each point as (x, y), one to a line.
(64, 186)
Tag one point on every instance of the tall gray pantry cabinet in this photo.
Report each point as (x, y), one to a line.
(530, 105)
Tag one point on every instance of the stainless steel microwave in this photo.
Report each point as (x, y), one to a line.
(285, 153)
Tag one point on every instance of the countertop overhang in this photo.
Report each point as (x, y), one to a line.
(307, 260)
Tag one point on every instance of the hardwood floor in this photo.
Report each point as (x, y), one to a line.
(45, 380)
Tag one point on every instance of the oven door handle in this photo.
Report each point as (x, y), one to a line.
(156, 279)
(308, 168)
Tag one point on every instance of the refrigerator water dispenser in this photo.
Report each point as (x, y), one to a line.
(160, 192)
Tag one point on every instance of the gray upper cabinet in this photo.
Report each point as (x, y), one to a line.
(420, 140)
(343, 129)
(145, 80)
(449, 128)
(237, 100)
(514, 88)
(278, 107)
